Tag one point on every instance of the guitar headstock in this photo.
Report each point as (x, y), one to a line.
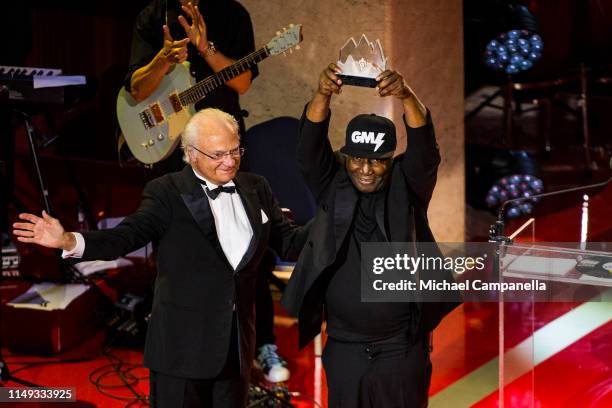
(285, 39)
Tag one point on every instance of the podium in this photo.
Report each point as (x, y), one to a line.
(534, 332)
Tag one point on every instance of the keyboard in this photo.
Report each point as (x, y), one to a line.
(20, 84)
(9, 71)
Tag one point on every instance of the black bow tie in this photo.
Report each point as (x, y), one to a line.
(214, 193)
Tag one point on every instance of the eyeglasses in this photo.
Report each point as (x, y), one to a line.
(360, 161)
(234, 153)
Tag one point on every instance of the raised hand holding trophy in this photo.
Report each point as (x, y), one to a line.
(361, 62)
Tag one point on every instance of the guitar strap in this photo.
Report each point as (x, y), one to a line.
(166, 14)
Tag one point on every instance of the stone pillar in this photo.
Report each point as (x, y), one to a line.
(422, 40)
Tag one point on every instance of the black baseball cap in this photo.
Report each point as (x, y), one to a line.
(370, 136)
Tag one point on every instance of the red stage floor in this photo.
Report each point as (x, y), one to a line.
(569, 363)
(579, 375)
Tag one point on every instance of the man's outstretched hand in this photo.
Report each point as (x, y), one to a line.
(196, 31)
(329, 81)
(46, 231)
(391, 83)
(174, 52)
(329, 84)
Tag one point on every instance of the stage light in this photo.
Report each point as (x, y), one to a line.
(518, 46)
(494, 176)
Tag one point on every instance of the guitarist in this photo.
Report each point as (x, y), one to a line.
(169, 32)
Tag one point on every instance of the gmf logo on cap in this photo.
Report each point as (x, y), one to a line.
(363, 136)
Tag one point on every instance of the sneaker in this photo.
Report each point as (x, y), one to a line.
(273, 366)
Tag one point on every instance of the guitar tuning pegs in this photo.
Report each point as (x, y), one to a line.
(278, 33)
(297, 47)
(291, 25)
(290, 50)
(284, 54)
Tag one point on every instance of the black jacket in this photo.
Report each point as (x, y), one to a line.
(196, 287)
(404, 218)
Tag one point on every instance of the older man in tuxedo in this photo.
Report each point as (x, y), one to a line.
(211, 226)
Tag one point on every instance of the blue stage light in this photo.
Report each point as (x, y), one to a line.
(492, 200)
(501, 52)
(495, 175)
(512, 69)
(514, 34)
(526, 208)
(534, 56)
(515, 186)
(513, 212)
(492, 46)
(536, 42)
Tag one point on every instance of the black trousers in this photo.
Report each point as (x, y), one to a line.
(387, 374)
(264, 305)
(227, 390)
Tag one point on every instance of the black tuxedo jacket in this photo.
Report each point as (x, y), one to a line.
(196, 287)
(403, 218)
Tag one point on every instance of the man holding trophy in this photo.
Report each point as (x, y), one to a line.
(377, 353)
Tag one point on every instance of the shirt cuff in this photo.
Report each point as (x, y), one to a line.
(77, 251)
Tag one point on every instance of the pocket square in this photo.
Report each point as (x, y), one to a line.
(264, 217)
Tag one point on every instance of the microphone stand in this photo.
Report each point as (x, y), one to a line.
(496, 231)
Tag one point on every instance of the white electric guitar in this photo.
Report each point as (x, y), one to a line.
(152, 127)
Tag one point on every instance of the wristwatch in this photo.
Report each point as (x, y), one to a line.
(210, 50)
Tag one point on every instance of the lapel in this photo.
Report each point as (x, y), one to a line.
(400, 208)
(380, 216)
(195, 200)
(344, 207)
(252, 206)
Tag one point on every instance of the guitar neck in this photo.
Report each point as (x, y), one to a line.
(208, 84)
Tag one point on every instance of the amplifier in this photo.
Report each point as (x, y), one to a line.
(10, 260)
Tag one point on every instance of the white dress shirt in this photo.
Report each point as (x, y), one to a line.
(234, 230)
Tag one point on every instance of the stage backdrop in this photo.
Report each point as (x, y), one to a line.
(423, 41)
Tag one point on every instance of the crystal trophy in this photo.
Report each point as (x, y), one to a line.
(361, 62)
